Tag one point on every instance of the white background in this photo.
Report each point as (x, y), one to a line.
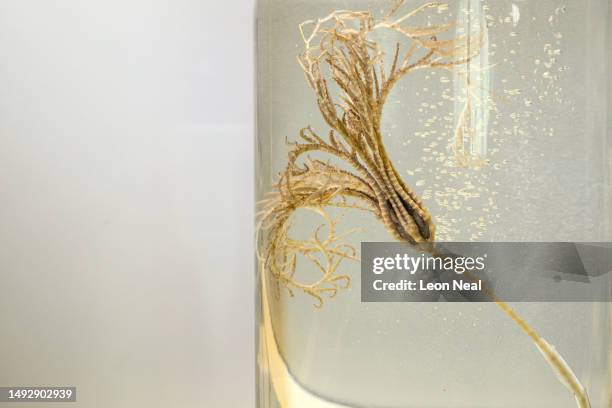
(126, 167)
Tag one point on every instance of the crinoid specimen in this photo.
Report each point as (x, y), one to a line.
(339, 51)
(352, 78)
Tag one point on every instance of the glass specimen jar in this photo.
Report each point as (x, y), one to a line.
(422, 122)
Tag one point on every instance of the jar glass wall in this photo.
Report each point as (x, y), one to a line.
(408, 121)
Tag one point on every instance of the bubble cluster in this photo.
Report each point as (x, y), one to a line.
(522, 76)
